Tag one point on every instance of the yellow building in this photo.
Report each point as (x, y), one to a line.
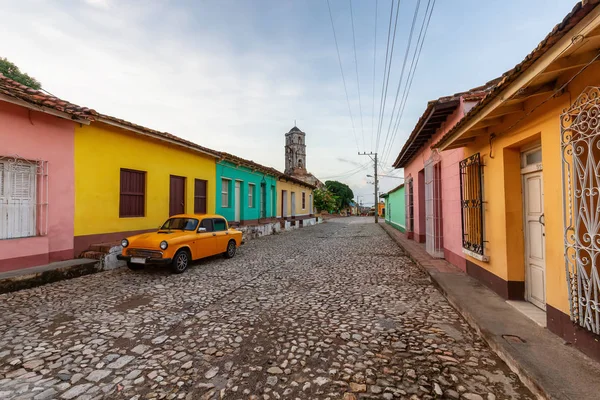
(530, 186)
(295, 199)
(129, 179)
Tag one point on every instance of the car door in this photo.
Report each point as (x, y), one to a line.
(206, 239)
(220, 226)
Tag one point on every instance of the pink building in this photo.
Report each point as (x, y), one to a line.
(36, 176)
(432, 179)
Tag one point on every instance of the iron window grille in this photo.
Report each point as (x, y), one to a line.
(471, 200)
(263, 199)
(580, 147)
(410, 216)
(303, 200)
(132, 200)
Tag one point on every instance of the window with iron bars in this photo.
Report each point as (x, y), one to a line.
(471, 200)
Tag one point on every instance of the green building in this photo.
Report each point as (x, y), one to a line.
(246, 191)
(395, 208)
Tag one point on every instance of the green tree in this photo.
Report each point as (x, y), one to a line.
(325, 200)
(341, 191)
(13, 72)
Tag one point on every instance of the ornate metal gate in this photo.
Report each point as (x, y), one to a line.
(433, 207)
(580, 145)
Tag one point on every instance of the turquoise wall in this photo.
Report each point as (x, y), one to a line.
(227, 170)
(395, 209)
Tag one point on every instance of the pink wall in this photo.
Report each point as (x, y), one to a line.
(451, 210)
(37, 136)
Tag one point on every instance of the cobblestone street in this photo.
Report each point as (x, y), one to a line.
(334, 311)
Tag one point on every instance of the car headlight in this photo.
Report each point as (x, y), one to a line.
(124, 242)
(164, 245)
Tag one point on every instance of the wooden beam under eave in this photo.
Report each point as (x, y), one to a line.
(474, 132)
(573, 61)
(509, 109)
(534, 90)
(488, 122)
(460, 143)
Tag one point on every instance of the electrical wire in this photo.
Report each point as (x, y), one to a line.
(342, 72)
(385, 69)
(374, 69)
(408, 45)
(362, 128)
(415, 61)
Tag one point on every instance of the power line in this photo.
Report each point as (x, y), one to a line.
(357, 80)
(385, 66)
(351, 172)
(412, 29)
(342, 72)
(412, 72)
(374, 64)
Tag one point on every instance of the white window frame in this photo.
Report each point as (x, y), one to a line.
(251, 187)
(225, 182)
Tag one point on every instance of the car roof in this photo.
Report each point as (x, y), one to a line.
(197, 216)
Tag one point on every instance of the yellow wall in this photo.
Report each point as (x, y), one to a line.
(298, 189)
(102, 150)
(503, 215)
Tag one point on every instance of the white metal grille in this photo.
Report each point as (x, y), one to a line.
(433, 207)
(23, 197)
(580, 144)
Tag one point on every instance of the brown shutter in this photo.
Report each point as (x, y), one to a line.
(132, 194)
(199, 196)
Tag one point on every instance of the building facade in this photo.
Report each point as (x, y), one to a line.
(36, 176)
(296, 200)
(246, 191)
(395, 208)
(129, 179)
(530, 186)
(433, 210)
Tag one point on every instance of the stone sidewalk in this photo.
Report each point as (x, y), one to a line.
(543, 361)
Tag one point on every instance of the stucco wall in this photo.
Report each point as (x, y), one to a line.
(101, 151)
(36, 136)
(230, 171)
(298, 189)
(450, 174)
(503, 211)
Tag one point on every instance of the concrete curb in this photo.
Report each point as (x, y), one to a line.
(490, 339)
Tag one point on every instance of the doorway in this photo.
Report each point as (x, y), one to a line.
(534, 227)
(237, 199)
(284, 203)
(293, 204)
(434, 241)
(176, 195)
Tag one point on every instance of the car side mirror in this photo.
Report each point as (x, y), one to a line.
(201, 229)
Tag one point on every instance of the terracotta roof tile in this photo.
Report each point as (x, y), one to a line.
(11, 88)
(579, 11)
(444, 106)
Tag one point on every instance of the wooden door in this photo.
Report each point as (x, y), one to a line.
(238, 200)
(535, 241)
(177, 195)
(284, 203)
(293, 204)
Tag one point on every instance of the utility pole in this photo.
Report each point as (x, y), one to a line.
(376, 182)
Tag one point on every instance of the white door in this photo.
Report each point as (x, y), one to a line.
(293, 204)
(310, 205)
(237, 200)
(284, 202)
(535, 241)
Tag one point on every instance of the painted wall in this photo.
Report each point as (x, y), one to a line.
(298, 189)
(232, 172)
(451, 209)
(503, 213)
(395, 209)
(37, 136)
(101, 151)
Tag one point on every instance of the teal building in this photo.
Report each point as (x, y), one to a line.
(246, 191)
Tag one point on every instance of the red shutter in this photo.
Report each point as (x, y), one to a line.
(133, 193)
(199, 196)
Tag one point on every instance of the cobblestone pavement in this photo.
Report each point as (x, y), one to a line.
(334, 311)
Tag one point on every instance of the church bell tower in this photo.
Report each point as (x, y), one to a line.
(295, 152)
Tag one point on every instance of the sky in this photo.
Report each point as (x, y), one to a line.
(234, 75)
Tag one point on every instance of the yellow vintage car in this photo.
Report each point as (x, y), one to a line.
(181, 239)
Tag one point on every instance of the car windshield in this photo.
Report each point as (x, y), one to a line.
(184, 224)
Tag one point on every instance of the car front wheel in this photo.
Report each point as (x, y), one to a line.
(231, 249)
(180, 261)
